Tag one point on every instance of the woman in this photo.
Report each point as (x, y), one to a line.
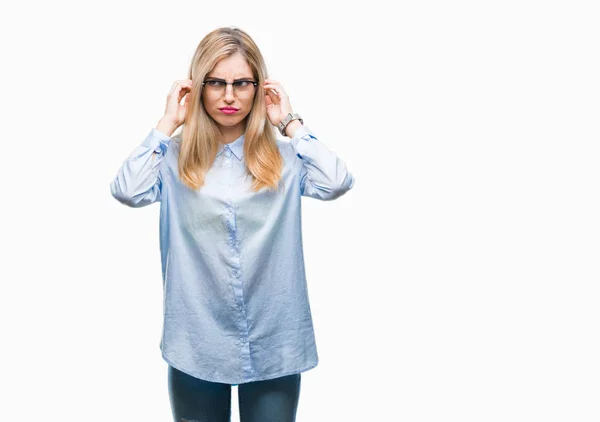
(236, 308)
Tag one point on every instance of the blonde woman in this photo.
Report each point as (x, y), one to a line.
(236, 308)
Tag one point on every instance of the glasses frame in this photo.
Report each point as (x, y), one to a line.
(233, 86)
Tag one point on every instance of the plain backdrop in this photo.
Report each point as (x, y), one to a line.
(457, 281)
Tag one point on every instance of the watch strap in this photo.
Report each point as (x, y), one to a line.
(290, 117)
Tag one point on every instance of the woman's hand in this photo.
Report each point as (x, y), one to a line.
(174, 110)
(278, 102)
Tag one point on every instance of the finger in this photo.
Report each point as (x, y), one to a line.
(178, 83)
(177, 88)
(182, 82)
(274, 98)
(277, 88)
(270, 88)
(183, 91)
(273, 89)
(272, 82)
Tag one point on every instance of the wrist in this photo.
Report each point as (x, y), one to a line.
(286, 123)
(166, 126)
(291, 128)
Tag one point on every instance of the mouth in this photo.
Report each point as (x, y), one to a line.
(228, 110)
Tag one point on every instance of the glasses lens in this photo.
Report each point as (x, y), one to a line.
(215, 87)
(240, 88)
(243, 87)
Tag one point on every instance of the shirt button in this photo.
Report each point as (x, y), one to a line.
(243, 339)
(227, 153)
(227, 161)
(236, 273)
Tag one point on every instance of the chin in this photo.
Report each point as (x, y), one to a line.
(229, 122)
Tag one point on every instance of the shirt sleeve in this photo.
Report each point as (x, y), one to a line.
(324, 175)
(138, 182)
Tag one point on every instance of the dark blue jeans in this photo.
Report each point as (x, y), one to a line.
(196, 400)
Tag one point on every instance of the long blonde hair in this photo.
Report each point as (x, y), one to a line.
(200, 134)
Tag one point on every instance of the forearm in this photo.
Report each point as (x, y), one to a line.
(324, 175)
(138, 181)
(166, 126)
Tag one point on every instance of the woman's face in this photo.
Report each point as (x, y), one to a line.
(229, 69)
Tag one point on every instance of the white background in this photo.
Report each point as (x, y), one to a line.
(458, 279)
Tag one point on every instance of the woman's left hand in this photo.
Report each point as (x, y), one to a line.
(278, 103)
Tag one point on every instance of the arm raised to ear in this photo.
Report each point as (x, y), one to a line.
(324, 175)
(138, 182)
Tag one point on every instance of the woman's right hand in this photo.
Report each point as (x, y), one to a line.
(176, 112)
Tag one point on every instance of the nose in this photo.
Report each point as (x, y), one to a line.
(229, 93)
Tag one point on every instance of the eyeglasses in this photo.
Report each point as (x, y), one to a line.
(241, 88)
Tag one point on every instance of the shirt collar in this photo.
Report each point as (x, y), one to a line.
(237, 147)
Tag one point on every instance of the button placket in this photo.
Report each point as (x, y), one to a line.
(227, 152)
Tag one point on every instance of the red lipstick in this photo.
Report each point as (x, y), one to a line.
(229, 110)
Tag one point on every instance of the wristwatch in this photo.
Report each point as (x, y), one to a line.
(282, 125)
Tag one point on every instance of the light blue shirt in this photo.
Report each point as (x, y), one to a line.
(236, 305)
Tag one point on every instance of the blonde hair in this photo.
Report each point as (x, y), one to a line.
(200, 134)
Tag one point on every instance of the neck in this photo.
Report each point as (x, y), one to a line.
(230, 134)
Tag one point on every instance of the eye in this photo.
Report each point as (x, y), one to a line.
(243, 84)
(215, 83)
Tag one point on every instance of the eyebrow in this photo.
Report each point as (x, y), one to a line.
(235, 80)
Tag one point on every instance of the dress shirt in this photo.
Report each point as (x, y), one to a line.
(236, 306)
